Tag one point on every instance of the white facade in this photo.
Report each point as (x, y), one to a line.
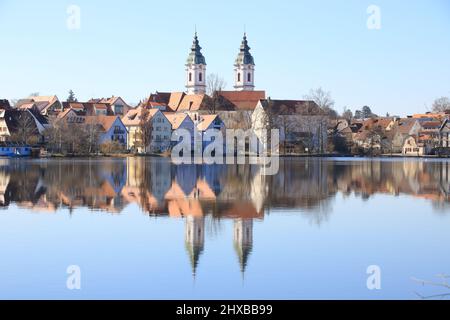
(244, 77)
(195, 78)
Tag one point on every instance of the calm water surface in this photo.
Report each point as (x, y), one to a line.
(147, 229)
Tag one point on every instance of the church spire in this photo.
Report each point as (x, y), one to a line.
(244, 67)
(196, 69)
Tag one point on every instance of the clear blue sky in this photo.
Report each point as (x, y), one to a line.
(132, 48)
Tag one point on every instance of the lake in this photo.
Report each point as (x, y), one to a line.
(143, 228)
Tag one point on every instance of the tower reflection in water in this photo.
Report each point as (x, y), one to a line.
(218, 192)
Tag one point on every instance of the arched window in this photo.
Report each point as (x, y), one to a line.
(190, 77)
(249, 77)
(239, 77)
(200, 77)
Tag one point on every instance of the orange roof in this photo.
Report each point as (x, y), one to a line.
(76, 105)
(244, 100)
(205, 121)
(175, 99)
(105, 121)
(176, 119)
(191, 102)
(134, 116)
(49, 99)
(64, 113)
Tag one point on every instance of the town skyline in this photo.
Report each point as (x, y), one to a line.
(361, 77)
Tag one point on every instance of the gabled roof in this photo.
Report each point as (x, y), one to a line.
(134, 116)
(244, 100)
(104, 122)
(192, 102)
(405, 125)
(175, 100)
(176, 119)
(206, 120)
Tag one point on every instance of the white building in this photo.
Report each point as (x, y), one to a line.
(196, 70)
(244, 68)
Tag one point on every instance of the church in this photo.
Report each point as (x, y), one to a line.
(244, 69)
(233, 107)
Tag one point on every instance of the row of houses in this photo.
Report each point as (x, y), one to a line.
(416, 135)
(149, 126)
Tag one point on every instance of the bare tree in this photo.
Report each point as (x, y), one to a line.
(441, 104)
(25, 130)
(145, 130)
(214, 86)
(323, 100)
(91, 133)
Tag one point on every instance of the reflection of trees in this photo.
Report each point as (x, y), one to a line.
(222, 191)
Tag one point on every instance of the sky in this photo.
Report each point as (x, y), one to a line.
(133, 48)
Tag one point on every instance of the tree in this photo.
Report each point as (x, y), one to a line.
(347, 114)
(34, 94)
(441, 104)
(25, 130)
(366, 112)
(358, 114)
(214, 86)
(323, 100)
(145, 130)
(71, 97)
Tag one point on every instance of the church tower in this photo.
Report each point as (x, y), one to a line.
(244, 68)
(196, 69)
(194, 240)
(243, 240)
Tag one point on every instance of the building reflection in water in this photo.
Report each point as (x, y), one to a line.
(193, 192)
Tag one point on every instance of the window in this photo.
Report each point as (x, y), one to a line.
(190, 77)
(200, 77)
(249, 77)
(239, 77)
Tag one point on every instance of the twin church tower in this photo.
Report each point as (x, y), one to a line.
(244, 69)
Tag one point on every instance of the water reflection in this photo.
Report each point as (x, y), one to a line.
(205, 195)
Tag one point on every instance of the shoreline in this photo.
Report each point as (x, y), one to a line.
(287, 156)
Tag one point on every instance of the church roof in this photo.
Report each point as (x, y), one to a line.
(244, 56)
(196, 56)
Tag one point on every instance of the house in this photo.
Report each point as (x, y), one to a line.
(209, 122)
(295, 119)
(160, 130)
(89, 108)
(412, 147)
(444, 134)
(117, 105)
(111, 129)
(46, 105)
(181, 121)
(23, 126)
(375, 135)
(244, 103)
(404, 128)
(430, 134)
(70, 116)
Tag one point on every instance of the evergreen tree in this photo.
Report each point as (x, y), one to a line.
(72, 97)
